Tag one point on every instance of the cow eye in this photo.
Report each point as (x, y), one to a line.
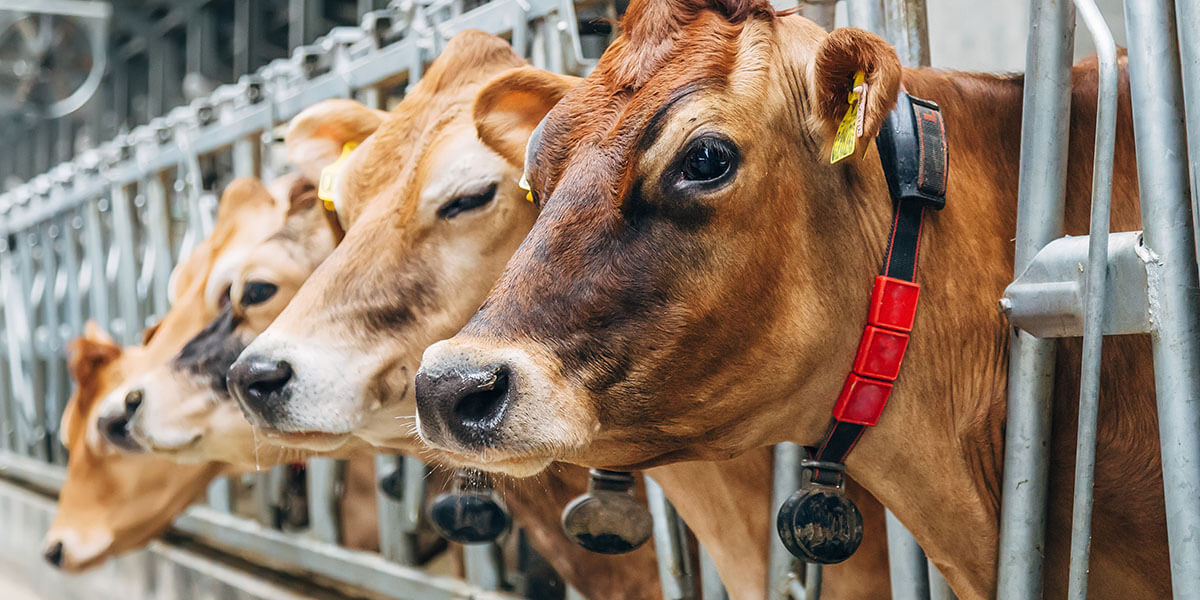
(708, 159)
(257, 292)
(462, 204)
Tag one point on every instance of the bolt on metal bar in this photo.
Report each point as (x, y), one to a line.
(1158, 128)
(907, 565)
(1188, 16)
(1094, 298)
(672, 546)
(1040, 197)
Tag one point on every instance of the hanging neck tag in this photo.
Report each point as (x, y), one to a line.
(329, 178)
(851, 127)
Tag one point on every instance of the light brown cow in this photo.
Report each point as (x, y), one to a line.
(405, 256)
(697, 283)
(127, 499)
(112, 502)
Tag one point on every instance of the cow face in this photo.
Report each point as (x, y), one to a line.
(187, 411)
(111, 501)
(678, 286)
(432, 214)
(248, 213)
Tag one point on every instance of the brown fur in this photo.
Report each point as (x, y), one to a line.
(682, 327)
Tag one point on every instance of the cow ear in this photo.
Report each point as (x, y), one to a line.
(315, 137)
(90, 351)
(839, 57)
(510, 106)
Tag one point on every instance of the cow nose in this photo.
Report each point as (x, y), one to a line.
(115, 429)
(260, 383)
(472, 402)
(133, 400)
(54, 554)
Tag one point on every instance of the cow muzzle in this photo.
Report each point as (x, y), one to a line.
(497, 408)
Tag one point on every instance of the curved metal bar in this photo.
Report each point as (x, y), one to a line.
(1097, 277)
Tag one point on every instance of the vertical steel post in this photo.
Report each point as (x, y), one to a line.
(52, 393)
(484, 565)
(35, 414)
(1188, 15)
(247, 30)
(324, 476)
(72, 225)
(939, 588)
(672, 546)
(907, 565)
(157, 229)
(122, 215)
(866, 14)
(305, 21)
(908, 30)
(711, 586)
(1094, 295)
(95, 257)
(784, 481)
(1040, 196)
(1158, 128)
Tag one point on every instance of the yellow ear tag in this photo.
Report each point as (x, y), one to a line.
(851, 126)
(329, 177)
(524, 184)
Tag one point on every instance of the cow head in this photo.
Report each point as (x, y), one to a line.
(679, 295)
(113, 500)
(186, 410)
(110, 502)
(247, 214)
(432, 216)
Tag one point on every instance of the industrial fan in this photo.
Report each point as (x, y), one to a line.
(52, 56)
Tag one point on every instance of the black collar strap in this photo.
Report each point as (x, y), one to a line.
(912, 148)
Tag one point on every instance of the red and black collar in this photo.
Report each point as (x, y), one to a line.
(819, 523)
(912, 149)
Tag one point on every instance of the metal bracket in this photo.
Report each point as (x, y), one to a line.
(1047, 299)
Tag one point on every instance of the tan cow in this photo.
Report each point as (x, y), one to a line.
(112, 502)
(426, 239)
(697, 283)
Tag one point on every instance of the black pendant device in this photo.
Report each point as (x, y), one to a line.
(608, 519)
(819, 523)
(471, 512)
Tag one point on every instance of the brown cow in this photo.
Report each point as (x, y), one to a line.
(428, 268)
(697, 282)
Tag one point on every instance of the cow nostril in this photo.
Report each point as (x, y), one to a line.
(54, 554)
(482, 406)
(265, 378)
(133, 400)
